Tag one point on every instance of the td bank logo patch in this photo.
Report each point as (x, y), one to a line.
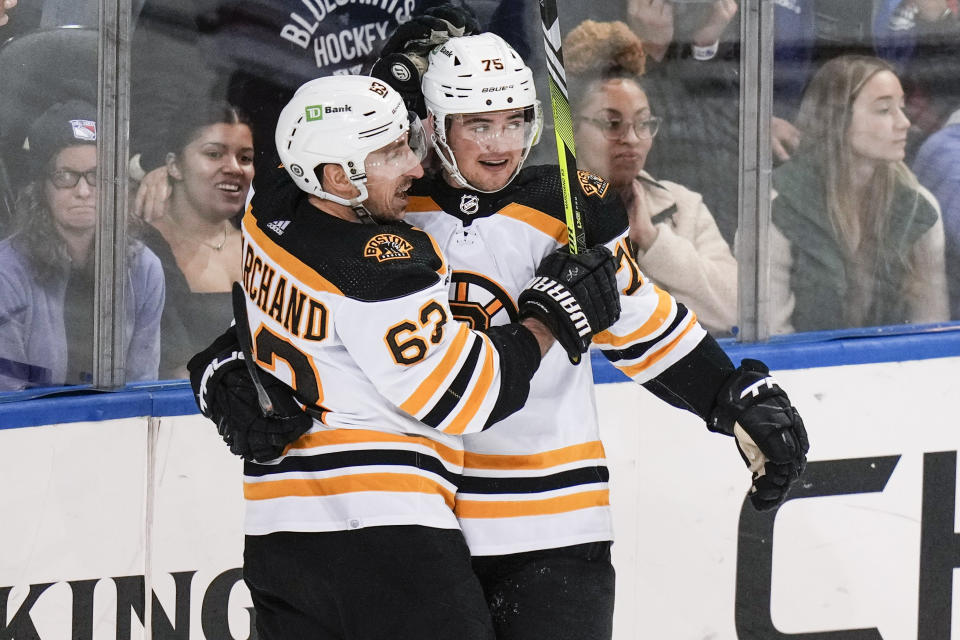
(315, 112)
(387, 246)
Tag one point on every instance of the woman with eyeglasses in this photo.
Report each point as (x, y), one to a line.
(676, 238)
(47, 266)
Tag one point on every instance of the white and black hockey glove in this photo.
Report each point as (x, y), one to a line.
(575, 295)
(403, 59)
(225, 393)
(770, 435)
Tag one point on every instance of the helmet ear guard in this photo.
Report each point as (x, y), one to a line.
(338, 120)
(478, 74)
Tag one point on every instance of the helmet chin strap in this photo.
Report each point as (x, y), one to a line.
(364, 216)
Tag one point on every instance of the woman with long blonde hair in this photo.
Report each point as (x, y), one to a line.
(856, 241)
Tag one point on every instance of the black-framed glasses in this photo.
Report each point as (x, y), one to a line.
(615, 128)
(67, 179)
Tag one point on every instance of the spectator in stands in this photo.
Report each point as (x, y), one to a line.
(936, 166)
(664, 24)
(855, 241)
(47, 266)
(677, 240)
(209, 169)
(692, 77)
(919, 38)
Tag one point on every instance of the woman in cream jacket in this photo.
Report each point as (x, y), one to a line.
(677, 240)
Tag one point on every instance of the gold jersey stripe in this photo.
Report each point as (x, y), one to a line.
(520, 508)
(545, 460)
(286, 261)
(339, 485)
(432, 382)
(478, 395)
(422, 203)
(336, 437)
(539, 220)
(654, 322)
(634, 369)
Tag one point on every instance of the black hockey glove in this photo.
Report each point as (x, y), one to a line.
(770, 434)
(403, 59)
(224, 391)
(576, 296)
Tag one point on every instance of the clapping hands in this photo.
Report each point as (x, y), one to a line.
(5, 7)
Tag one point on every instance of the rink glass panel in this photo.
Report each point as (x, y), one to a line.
(713, 138)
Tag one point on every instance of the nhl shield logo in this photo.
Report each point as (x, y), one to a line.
(592, 184)
(469, 204)
(387, 246)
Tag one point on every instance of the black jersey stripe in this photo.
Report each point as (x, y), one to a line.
(346, 459)
(537, 484)
(639, 349)
(454, 393)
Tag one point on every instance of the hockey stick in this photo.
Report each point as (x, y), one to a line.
(246, 345)
(562, 123)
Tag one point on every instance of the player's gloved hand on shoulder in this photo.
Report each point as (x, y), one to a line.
(770, 434)
(403, 59)
(575, 295)
(225, 393)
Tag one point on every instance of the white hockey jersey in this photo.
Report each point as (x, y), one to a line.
(356, 319)
(538, 479)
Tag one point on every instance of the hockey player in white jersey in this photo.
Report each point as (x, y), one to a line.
(350, 522)
(533, 503)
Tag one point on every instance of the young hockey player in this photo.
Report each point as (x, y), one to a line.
(351, 531)
(533, 502)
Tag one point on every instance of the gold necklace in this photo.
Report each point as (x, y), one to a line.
(216, 247)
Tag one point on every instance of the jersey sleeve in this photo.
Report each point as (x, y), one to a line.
(658, 341)
(654, 330)
(425, 362)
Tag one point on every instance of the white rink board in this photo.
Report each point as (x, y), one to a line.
(87, 507)
(198, 526)
(840, 562)
(73, 505)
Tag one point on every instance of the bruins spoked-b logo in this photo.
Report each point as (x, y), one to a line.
(592, 184)
(387, 246)
(480, 302)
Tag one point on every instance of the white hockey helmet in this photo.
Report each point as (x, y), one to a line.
(341, 119)
(478, 74)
